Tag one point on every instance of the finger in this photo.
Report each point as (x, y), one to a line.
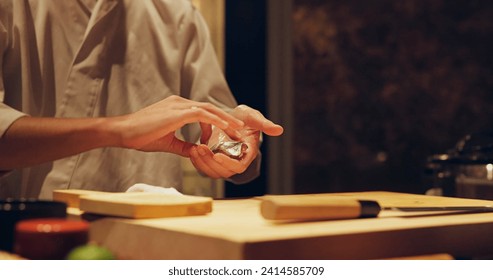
(206, 133)
(249, 155)
(271, 129)
(256, 120)
(235, 166)
(200, 165)
(259, 122)
(203, 107)
(235, 122)
(195, 114)
(238, 166)
(207, 157)
(234, 134)
(191, 105)
(180, 147)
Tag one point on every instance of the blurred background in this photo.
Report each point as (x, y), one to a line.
(366, 90)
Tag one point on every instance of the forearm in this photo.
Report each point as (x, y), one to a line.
(30, 141)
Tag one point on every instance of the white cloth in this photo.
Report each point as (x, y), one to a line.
(62, 60)
(140, 187)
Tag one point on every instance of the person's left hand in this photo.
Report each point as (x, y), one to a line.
(220, 165)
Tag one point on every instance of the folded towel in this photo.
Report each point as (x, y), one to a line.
(140, 187)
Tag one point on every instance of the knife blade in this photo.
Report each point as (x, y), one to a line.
(486, 208)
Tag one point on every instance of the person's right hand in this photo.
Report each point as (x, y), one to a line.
(32, 140)
(153, 128)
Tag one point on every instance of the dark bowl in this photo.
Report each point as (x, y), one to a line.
(13, 211)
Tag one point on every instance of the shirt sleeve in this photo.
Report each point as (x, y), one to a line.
(252, 172)
(7, 114)
(202, 76)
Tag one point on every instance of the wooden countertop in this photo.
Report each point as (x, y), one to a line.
(236, 230)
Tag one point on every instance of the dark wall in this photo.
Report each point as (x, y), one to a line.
(381, 85)
(245, 70)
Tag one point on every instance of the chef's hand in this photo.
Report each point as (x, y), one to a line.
(153, 128)
(149, 129)
(220, 165)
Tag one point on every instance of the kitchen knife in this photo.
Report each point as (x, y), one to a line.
(331, 208)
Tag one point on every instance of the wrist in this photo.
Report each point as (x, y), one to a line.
(112, 131)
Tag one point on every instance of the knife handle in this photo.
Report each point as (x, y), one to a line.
(316, 208)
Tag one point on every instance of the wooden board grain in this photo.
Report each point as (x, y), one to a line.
(142, 205)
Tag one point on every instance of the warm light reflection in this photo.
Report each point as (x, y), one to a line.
(489, 171)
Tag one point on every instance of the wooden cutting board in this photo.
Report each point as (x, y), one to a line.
(145, 205)
(134, 205)
(72, 197)
(237, 230)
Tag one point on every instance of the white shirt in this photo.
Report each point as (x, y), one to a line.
(64, 59)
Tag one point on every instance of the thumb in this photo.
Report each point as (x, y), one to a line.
(271, 129)
(256, 120)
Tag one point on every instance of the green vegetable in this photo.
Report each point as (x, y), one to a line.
(90, 252)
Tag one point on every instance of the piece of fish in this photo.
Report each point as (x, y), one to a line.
(233, 149)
